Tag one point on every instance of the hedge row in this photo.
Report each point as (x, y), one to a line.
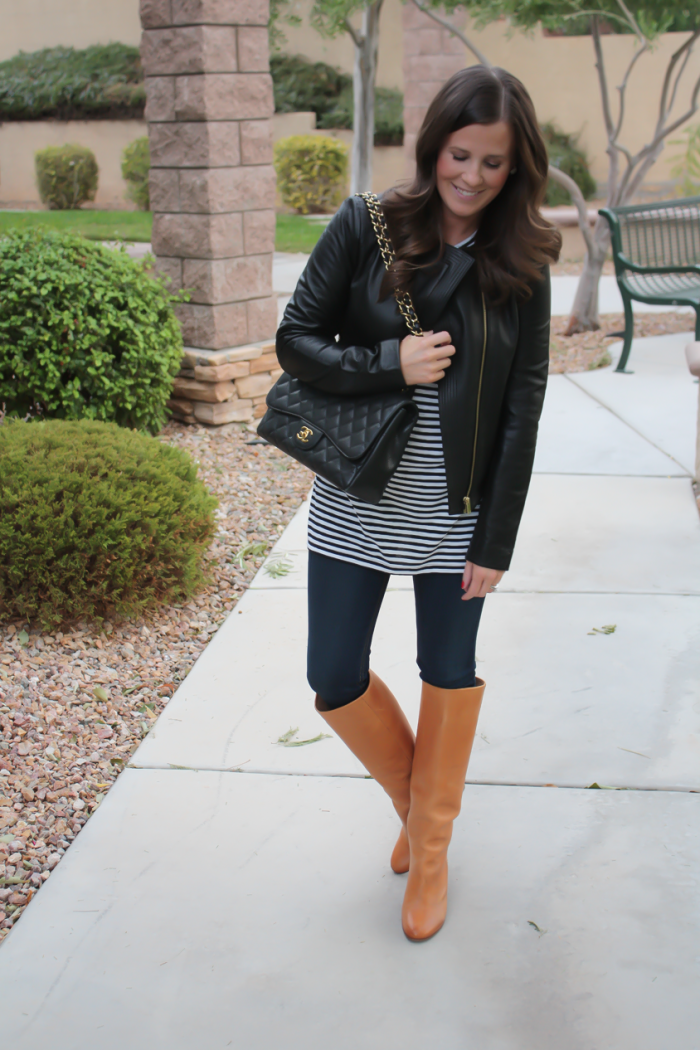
(61, 83)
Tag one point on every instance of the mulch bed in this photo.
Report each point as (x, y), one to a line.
(75, 704)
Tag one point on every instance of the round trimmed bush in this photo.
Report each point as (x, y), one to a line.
(66, 176)
(136, 165)
(312, 171)
(96, 520)
(85, 332)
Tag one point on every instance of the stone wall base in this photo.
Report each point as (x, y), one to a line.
(224, 386)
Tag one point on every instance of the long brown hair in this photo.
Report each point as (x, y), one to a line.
(513, 241)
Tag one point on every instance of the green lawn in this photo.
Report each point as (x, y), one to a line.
(295, 233)
(298, 233)
(95, 225)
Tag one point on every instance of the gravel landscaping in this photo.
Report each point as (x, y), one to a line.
(588, 350)
(74, 704)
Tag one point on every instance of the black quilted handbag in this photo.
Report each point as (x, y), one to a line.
(354, 441)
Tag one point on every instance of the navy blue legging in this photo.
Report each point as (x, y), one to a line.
(344, 603)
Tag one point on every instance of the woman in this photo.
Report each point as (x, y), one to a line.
(473, 251)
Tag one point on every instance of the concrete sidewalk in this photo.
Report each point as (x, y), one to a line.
(234, 891)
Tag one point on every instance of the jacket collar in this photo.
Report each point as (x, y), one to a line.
(432, 287)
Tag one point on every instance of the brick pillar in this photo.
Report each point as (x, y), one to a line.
(431, 55)
(209, 108)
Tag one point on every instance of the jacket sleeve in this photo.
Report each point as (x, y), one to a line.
(306, 338)
(510, 470)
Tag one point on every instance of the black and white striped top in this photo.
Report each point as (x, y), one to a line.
(410, 531)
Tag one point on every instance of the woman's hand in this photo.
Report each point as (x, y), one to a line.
(424, 358)
(477, 581)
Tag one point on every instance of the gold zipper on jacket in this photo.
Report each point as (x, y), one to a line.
(467, 499)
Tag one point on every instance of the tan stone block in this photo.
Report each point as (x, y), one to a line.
(228, 280)
(164, 189)
(259, 232)
(262, 318)
(413, 18)
(429, 67)
(259, 410)
(276, 373)
(214, 358)
(254, 386)
(224, 96)
(197, 391)
(197, 236)
(421, 42)
(259, 400)
(264, 363)
(189, 49)
(270, 347)
(236, 411)
(413, 117)
(218, 373)
(155, 13)
(421, 92)
(256, 142)
(227, 12)
(160, 98)
(253, 49)
(213, 327)
(195, 145)
(171, 269)
(227, 189)
(179, 405)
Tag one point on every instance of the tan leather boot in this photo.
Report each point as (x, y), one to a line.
(377, 731)
(446, 729)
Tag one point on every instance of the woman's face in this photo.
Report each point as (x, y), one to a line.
(472, 169)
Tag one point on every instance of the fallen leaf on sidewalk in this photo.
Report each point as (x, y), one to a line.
(287, 739)
(608, 628)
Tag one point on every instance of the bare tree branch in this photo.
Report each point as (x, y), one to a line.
(577, 197)
(602, 79)
(634, 25)
(446, 24)
(349, 28)
(681, 71)
(663, 101)
(622, 88)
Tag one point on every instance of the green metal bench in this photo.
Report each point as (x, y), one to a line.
(656, 251)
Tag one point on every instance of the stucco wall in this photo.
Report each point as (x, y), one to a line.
(558, 71)
(19, 141)
(28, 25)
(107, 138)
(560, 75)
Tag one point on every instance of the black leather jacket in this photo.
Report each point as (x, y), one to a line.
(336, 335)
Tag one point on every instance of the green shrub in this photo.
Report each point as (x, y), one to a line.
(301, 85)
(565, 154)
(66, 176)
(85, 332)
(136, 164)
(96, 520)
(312, 172)
(686, 167)
(388, 115)
(60, 82)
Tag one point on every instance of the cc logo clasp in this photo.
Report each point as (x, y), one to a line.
(304, 434)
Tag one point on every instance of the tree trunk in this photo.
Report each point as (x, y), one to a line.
(584, 313)
(364, 77)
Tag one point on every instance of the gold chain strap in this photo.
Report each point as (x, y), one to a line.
(381, 230)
